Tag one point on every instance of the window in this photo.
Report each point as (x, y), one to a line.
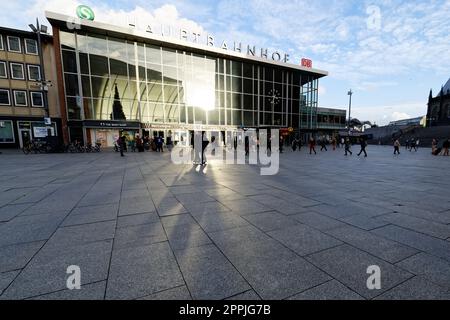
(1, 43)
(20, 98)
(3, 73)
(14, 44)
(4, 97)
(6, 131)
(17, 71)
(37, 99)
(31, 46)
(34, 72)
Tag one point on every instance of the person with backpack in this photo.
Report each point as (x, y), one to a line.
(363, 145)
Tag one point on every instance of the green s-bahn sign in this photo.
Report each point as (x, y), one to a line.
(85, 13)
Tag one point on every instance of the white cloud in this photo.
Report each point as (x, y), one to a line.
(382, 115)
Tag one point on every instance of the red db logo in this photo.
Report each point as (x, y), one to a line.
(306, 63)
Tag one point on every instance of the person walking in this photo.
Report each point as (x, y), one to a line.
(397, 147)
(412, 145)
(446, 147)
(433, 147)
(417, 144)
(363, 145)
(323, 144)
(312, 145)
(347, 147)
(407, 144)
(333, 142)
(205, 143)
(121, 143)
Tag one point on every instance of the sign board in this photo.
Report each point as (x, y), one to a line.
(85, 13)
(40, 132)
(307, 63)
(111, 124)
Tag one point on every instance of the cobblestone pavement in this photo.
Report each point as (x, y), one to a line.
(140, 227)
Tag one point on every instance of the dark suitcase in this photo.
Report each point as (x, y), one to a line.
(437, 151)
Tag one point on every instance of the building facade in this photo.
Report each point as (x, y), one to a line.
(438, 113)
(115, 78)
(22, 109)
(330, 121)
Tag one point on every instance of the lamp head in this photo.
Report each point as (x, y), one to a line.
(33, 28)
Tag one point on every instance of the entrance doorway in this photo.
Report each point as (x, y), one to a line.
(24, 137)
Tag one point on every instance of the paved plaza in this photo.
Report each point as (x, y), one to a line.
(140, 227)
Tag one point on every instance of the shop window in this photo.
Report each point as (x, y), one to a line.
(6, 131)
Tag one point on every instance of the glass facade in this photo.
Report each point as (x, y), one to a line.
(108, 78)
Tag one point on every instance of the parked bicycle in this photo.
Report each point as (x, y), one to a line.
(36, 147)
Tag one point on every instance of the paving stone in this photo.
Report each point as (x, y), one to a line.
(11, 234)
(17, 256)
(207, 207)
(91, 215)
(137, 219)
(10, 211)
(208, 274)
(429, 267)
(67, 237)
(364, 222)
(220, 221)
(378, 246)
(422, 242)
(318, 221)
(247, 295)
(440, 217)
(135, 207)
(268, 221)
(304, 240)
(198, 197)
(349, 266)
(6, 278)
(178, 293)
(186, 236)
(416, 288)
(91, 291)
(331, 290)
(428, 227)
(141, 271)
(171, 209)
(177, 220)
(46, 273)
(271, 269)
(245, 207)
(139, 235)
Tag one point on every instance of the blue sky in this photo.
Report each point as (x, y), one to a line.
(390, 52)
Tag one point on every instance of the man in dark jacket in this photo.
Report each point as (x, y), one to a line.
(363, 145)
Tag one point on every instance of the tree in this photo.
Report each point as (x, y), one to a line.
(117, 113)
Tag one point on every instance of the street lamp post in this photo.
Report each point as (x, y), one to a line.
(350, 93)
(43, 84)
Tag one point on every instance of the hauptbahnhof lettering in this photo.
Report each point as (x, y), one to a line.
(166, 86)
